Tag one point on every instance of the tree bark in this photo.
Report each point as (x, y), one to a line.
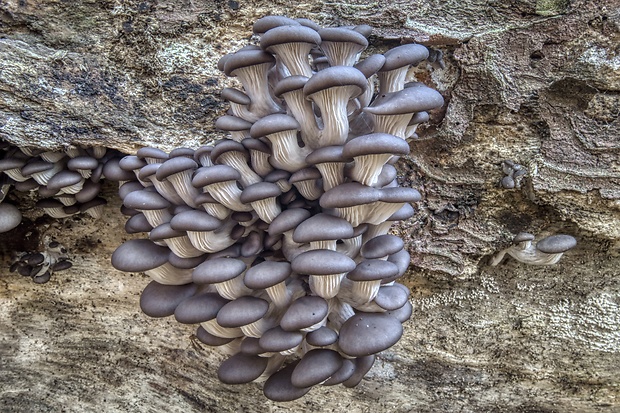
(533, 82)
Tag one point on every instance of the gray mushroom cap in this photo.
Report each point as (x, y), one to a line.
(322, 262)
(327, 154)
(405, 212)
(409, 100)
(235, 96)
(199, 308)
(402, 259)
(242, 311)
(349, 194)
(232, 123)
(10, 217)
(145, 200)
(175, 165)
(392, 297)
(373, 270)
(304, 312)
(272, 124)
(245, 58)
(289, 84)
(131, 162)
(371, 65)
(369, 333)
(259, 191)
(556, 244)
(186, 152)
(139, 255)
(399, 194)
(279, 388)
(255, 145)
(321, 337)
(251, 346)
(322, 227)
(214, 174)
(267, 274)
(113, 172)
(185, 263)
(344, 373)
(159, 300)
(194, 220)
(287, 220)
(36, 166)
(228, 145)
(89, 191)
(375, 143)
(402, 314)
(209, 339)
(336, 76)
(315, 367)
(82, 162)
(381, 246)
(218, 270)
(405, 55)
(523, 236)
(129, 187)
(362, 366)
(63, 179)
(153, 153)
(241, 368)
(269, 22)
(289, 34)
(163, 232)
(137, 223)
(276, 339)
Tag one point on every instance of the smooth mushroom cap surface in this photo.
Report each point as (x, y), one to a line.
(322, 227)
(315, 367)
(556, 244)
(199, 308)
(241, 368)
(304, 312)
(322, 262)
(242, 311)
(323, 336)
(10, 217)
(381, 246)
(218, 270)
(279, 388)
(267, 274)
(139, 255)
(159, 300)
(287, 220)
(209, 339)
(277, 339)
(369, 333)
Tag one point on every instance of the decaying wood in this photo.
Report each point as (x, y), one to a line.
(534, 82)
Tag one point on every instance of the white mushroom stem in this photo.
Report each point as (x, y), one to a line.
(66, 199)
(393, 124)
(326, 286)
(260, 162)
(332, 174)
(182, 183)
(255, 83)
(286, 153)
(237, 161)
(233, 288)
(267, 209)
(44, 176)
(242, 111)
(258, 328)
(365, 291)
(529, 255)
(275, 362)
(355, 214)
(182, 247)
(290, 248)
(333, 103)
(95, 212)
(56, 212)
(392, 80)
(86, 173)
(301, 109)
(309, 189)
(381, 211)
(379, 229)
(351, 246)
(228, 193)
(339, 312)
(165, 189)
(367, 168)
(214, 328)
(411, 129)
(205, 160)
(230, 348)
(294, 56)
(323, 245)
(52, 156)
(16, 175)
(73, 189)
(170, 275)
(216, 210)
(213, 241)
(156, 217)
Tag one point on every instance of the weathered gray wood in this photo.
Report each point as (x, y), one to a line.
(535, 82)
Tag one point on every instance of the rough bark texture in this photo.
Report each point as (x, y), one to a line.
(535, 82)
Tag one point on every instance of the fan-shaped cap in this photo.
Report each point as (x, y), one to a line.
(36, 166)
(259, 191)
(63, 179)
(241, 368)
(153, 153)
(269, 22)
(344, 373)
(288, 34)
(231, 123)
(322, 227)
(279, 388)
(235, 96)
(228, 145)
(371, 65)
(163, 232)
(139, 255)
(321, 337)
(349, 194)
(89, 191)
(186, 152)
(375, 143)
(194, 220)
(327, 154)
(523, 236)
(322, 262)
(402, 314)
(381, 246)
(250, 345)
(409, 100)
(341, 34)
(287, 220)
(392, 297)
(245, 58)
(199, 308)
(556, 244)
(175, 165)
(10, 217)
(336, 76)
(373, 270)
(137, 223)
(159, 300)
(362, 366)
(113, 171)
(405, 55)
(131, 162)
(218, 270)
(276, 339)
(267, 274)
(242, 311)
(402, 259)
(399, 194)
(304, 312)
(273, 124)
(289, 84)
(145, 200)
(82, 162)
(211, 340)
(213, 174)
(315, 367)
(369, 333)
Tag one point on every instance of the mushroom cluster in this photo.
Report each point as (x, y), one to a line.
(513, 174)
(546, 251)
(40, 266)
(275, 240)
(67, 182)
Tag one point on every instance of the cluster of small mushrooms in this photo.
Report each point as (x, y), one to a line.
(513, 174)
(66, 182)
(276, 240)
(42, 265)
(546, 251)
